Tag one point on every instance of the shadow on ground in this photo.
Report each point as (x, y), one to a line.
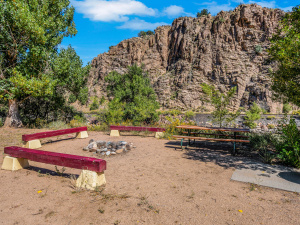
(219, 153)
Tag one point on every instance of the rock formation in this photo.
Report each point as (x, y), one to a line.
(226, 50)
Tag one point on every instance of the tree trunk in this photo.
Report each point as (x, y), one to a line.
(13, 118)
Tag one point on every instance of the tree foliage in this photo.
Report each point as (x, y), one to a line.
(144, 33)
(285, 50)
(253, 114)
(133, 97)
(220, 101)
(204, 12)
(30, 32)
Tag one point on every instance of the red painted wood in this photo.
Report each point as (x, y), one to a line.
(29, 137)
(59, 159)
(130, 128)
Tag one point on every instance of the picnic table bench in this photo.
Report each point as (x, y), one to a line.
(114, 130)
(92, 174)
(235, 138)
(32, 140)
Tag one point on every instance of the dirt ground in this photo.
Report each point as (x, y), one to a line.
(151, 184)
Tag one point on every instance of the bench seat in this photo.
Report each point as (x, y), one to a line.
(210, 139)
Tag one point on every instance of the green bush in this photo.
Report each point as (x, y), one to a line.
(57, 125)
(189, 114)
(289, 147)
(204, 12)
(133, 97)
(83, 95)
(95, 104)
(265, 144)
(286, 108)
(102, 100)
(72, 98)
(258, 49)
(253, 114)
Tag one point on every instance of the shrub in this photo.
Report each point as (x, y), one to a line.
(253, 114)
(144, 33)
(204, 12)
(78, 121)
(220, 101)
(289, 147)
(286, 108)
(258, 49)
(134, 97)
(72, 98)
(83, 95)
(265, 144)
(95, 104)
(57, 125)
(271, 126)
(189, 114)
(102, 100)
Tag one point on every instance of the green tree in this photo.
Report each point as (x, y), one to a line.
(67, 69)
(144, 33)
(253, 114)
(29, 34)
(220, 101)
(204, 12)
(134, 98)
(285, 50)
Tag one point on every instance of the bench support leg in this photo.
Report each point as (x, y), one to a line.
(114, 133)
(159, 135)
(34, 144)
(90, 180)
(82, 134)
(12, 163)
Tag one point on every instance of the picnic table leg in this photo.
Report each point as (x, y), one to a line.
(182, 143)
(234, 144)
(189, 134)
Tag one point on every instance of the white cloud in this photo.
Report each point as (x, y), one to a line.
(112, 10)
(289, 8)
(174, 10)
(214, 8)
(137, 24)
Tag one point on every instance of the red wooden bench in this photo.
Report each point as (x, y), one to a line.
(32, 140)
(92, 174)
(115, 130)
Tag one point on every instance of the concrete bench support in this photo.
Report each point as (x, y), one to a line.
(114, 133)
(82, 134)
(159, 134)
(90, 180)
(34, 144)
(13, 164)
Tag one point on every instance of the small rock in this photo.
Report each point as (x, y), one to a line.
(100, 144)
(107, 153)
(113, 153)
(113, 150)
(92, 140)
(90, 146)
(119, 151)
(103, 149)
(102, 153)
(85, 149)
(98, 150)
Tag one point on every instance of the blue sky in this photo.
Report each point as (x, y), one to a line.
(103, 23)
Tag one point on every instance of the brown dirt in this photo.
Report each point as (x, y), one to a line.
(151, 184)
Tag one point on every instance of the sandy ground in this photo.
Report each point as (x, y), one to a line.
(151, 184)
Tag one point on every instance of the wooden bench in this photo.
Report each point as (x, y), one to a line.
(92, 174)
(216, 134)
(114, 130)
(212, 139)
(32, 140)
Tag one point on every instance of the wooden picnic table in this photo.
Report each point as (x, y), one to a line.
(233, 130)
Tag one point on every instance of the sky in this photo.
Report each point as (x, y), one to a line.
(105, 23)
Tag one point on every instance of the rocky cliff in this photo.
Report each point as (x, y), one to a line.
(226, 50)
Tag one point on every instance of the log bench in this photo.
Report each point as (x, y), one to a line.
(32, 140)
(92, 174)
(114, 130)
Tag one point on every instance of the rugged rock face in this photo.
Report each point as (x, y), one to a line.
(226, 50)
